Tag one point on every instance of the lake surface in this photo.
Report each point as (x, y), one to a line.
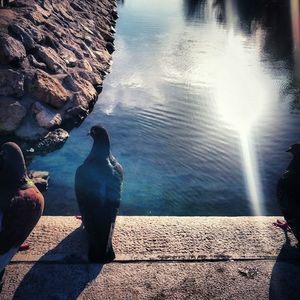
(201, 104)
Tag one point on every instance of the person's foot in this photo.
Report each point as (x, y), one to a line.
(282, 224)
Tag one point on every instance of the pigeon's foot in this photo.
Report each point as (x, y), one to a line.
(24, 247)
(283, 225)
(103, 258)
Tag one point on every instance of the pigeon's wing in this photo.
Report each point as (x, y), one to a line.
(86, 195)
(81, 188)
(114, 187)
(20, 218)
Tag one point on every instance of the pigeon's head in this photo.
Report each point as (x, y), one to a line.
(295, 150)
(12, 163)
(101, 138)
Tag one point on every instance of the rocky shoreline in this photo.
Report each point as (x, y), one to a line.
(54, 56)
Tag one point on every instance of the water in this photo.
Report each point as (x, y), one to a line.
(201, 103)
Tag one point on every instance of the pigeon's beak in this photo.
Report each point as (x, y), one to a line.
(89, 133)
(289, 150)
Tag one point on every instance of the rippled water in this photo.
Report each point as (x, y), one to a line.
(201, 94)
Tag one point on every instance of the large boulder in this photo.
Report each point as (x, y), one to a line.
(52, 141)
(48, 89)
(11, 50)
(12, 113)
(29, 129)
(50, 57)
(40, 179)
(11, 83)
(45, 116)
(68, 56)
(22, 34)
(81, 87)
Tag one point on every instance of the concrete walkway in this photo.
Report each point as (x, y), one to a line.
(159, 258)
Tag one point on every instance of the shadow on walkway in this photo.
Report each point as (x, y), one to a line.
(59, 274)
(285, 277)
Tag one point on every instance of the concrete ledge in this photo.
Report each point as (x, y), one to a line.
(163, 238)
(159, 258)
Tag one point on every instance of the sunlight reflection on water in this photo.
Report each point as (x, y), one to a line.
(201, 94)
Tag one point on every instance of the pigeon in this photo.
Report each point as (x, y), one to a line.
(21, 203)
(288, 193)
(98, 183)
(4, 3)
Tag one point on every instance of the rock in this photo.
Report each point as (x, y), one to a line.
(29, 129)
(40, 179)
(11, 50)
(104, 57)
(51, 59)
(21, 34)
(49, 90)
(45, 12)
(51, 42)
(88, 40)
(89, 52)
(84, 64)
(91, 77)
(35, 63)
(35, 17)
(52, 141)
(87, 29)
(74, 48)
(75, 115)
(115, 14)
(79, 100)
(54, 56)
(110, 48)
(248, 272)
(46, 117)
(12, 113)
(36, 33)
(68, 56)
(76, 7)
(65, 15)
(11, 83)
(106, 35)
(77, 84)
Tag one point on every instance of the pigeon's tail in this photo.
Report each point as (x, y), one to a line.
(295, 226)
(1, 279)
(97, 255)
(101, 249)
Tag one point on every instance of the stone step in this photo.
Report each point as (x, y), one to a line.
(261, 280)
(159, 258)
(62, 239)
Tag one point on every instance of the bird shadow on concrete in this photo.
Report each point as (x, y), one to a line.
(285, 277)
(62, 273)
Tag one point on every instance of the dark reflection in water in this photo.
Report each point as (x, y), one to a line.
(200, 96)
(194, 10)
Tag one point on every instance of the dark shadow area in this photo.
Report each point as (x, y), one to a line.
(274, 17)
(285, 277)
(62, 273)
(194, 10)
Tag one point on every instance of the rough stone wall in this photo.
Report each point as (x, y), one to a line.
(54, 56)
